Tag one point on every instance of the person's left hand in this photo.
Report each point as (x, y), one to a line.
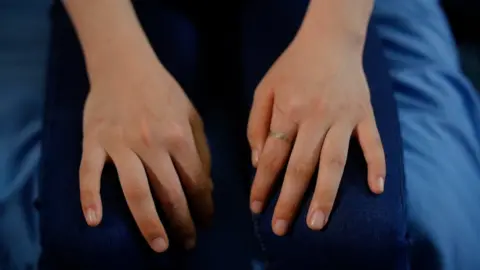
(305, 110)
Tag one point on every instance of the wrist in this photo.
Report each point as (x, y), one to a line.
(111, 36)
(341, 24)
(122, 61)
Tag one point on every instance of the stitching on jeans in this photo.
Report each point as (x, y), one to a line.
(261, 241)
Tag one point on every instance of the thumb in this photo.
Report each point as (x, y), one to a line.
(259, 121)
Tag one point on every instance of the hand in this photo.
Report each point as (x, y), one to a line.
(137, 115)
(305, 111)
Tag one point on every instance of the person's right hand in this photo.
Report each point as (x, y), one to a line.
(138, 116)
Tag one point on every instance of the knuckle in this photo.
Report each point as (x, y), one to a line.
(327, 206)
(345, 107)
(145, 135)
(293, 108)
(361, 110)
(172, 204)
(251, 134)
(85, 188)
(271, 164)
(198, 179)
(336, 162)
(197, 188)
(324, 109)
(377, 141)
(86, 194)
(176, 136)
(376, 159)
(185, 229)
(85, 169)
(195, 117)
(283, 212)
(139, 137)
(326, 199)
(151, 226)
(375, 151)
(286, 208)
(135, 195)
(259, 191)
(301, 170)
(288, 109)
(197, 173)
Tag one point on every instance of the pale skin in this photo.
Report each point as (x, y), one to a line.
(138, 116)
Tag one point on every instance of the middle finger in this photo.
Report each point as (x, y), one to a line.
(133, 180)
(302, 164)
(332, 164)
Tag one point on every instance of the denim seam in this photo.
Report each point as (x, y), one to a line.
(261, 241)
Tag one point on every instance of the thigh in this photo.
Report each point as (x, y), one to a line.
(365, 231)
(23, 47)
(439, 114)
(230, 243)
(116, 243)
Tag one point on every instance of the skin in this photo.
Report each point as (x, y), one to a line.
(318, 97)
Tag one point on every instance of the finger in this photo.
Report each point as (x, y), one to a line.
(169, 192)
(302, 164)
(139, 197)
(333, 157)
(273, 158)
(372, 147)
(196, 182)
(201, 143)
(90, 174)
(259, 121)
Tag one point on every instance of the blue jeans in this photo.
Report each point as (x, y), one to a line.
(23, 50)
(439, 113)
(219, 66)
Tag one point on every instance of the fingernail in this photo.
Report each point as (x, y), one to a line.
(91, 217)
(257, 207)
(317, 220)
(381, 184)
(280, 227)
(254, 158)
(190, 243)
(159, 244)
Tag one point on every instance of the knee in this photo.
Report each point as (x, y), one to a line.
(69, 243)
(364, 230)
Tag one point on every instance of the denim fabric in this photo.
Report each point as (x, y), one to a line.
(219, 69)
(23, 51)
(440, 118)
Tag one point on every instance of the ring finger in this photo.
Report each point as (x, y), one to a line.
(169, 192)
(273, 157)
